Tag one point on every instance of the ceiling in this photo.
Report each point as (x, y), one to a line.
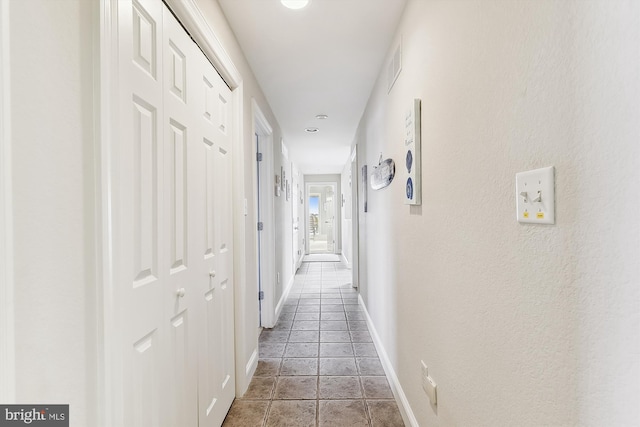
(323, 59)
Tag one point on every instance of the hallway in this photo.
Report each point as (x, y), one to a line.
(318, 366)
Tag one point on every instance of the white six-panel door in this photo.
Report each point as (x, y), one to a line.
(215, 262)
(175, 222)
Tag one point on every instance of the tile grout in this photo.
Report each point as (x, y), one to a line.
(325, 283)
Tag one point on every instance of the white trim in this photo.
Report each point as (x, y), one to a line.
(403, 404)
(7, 324)
(263, 129)
(108, 322)
(197, 26)
(345, 260)
(284, 297)
(355, 217)
(252, 364)
(243, 330)
(260, 119)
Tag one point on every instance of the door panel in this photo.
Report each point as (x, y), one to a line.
(216, 340)
(141, 174)
(180, 290)
(146, 387)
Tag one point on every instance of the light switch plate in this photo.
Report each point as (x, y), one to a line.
(432, 390)
(535, 196)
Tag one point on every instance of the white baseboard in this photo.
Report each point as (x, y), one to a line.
(252, 364)
(346, 261)
(401, 399)
(284, 297)
(249, 370)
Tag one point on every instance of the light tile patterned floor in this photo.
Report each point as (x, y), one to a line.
(318, 366)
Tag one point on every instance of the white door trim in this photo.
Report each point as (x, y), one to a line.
(109, 313)
(263, 129)
(197, 26)
(244, 367)
(108, 322)
(7, 326)
(355, 218)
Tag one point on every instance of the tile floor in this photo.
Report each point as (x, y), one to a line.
(318, 366)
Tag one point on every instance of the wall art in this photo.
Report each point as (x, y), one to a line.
(412, 161)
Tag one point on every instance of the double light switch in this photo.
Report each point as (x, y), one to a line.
(535, 194)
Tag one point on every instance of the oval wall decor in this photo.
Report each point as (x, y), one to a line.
(383, 174)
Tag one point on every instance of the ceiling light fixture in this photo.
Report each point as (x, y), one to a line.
(295, 4)
(311, 130)
(322, 117)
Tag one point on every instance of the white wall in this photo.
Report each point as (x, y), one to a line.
(52, 177)
(519, 324)
(7, 352)
(284, 224)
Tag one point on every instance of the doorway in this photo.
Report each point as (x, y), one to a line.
(265, 238)
(321, 217)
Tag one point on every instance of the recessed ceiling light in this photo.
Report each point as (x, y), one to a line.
(311, 130)
(322, 117)
(295, 4)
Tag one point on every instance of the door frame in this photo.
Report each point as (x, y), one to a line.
(7, 324)
(355, 218)
(295, 201)
(108, 307)
(265, 252)
(307, 189)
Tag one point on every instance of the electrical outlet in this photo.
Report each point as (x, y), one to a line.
(535, 196)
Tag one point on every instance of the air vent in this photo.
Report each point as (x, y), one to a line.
(395, 66)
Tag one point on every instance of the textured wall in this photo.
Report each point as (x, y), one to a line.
(519, 324)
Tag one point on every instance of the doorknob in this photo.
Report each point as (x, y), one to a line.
(212, 273)
(180, 292)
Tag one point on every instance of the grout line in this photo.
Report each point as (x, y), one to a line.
(327, 283)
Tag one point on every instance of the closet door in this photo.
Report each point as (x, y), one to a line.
(216, 337)
(140, 264)
(174, 225)
(180, 88)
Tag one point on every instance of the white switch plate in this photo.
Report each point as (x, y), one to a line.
(432, 391)
(531, 186)
(428, 385)
(425, 374)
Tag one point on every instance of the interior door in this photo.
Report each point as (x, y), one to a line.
(329, 218)
(179, 57)
(174, 226)
(295, 216)
(143, 272)
(259, 175)
(215, 266)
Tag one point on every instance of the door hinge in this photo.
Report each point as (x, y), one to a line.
(260, 295)
(259, 157)
(260, 226)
